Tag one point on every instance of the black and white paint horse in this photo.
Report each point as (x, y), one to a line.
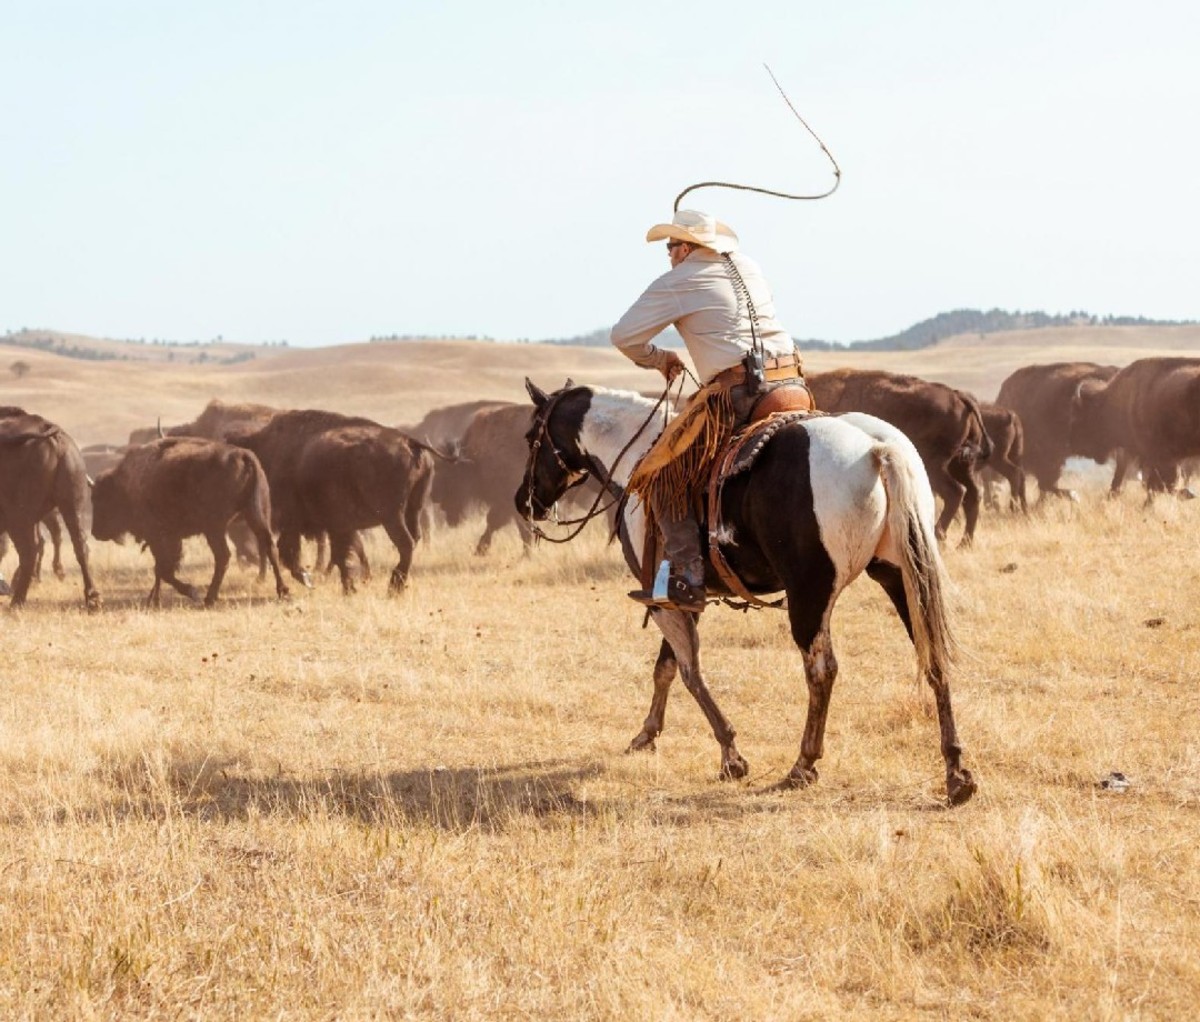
(828, 498)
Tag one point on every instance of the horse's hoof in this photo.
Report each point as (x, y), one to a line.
(960, 786)
(801, 777)
(734, 768)
(642, 743)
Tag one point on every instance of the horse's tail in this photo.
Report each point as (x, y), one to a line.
(926, 584)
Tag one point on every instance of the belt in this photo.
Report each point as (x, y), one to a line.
(780, 367)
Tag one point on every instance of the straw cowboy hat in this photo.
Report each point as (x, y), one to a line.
(698, 229)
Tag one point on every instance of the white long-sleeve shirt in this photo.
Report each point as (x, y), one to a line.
(699, 298)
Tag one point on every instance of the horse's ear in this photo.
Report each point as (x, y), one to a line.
(569, 384)
(535, 392)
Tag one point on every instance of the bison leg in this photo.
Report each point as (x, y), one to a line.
(497, 518)
(397, 530)
(960, 471)
(167, 555)
(269, 554)
(289, 555)
(39, 539)
(54, 525)
(221, 558)
(78, 531)
(665, 669)
(24, 538)
(951, 493)
(339, 551)
(360, 552)
(679, 628)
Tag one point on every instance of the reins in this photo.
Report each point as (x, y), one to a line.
(609, 486)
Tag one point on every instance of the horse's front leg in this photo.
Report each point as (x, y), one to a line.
(665, 669)
(680, 630)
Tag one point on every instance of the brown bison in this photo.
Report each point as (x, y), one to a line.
(1004, 427)
(219, 418)
(41, 470)
(169, 489)
(491, 462)
(1149, 412)
(1042, 396)
(338, 474)
(944, 424)
(445, 426)
(217, 422)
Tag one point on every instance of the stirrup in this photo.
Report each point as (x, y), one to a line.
(672, 592)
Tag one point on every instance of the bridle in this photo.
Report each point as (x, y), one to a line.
(576, 476)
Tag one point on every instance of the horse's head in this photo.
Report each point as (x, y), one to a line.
(556, 463)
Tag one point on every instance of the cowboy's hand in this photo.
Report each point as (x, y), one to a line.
(671, 365)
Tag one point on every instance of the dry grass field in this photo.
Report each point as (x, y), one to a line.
(419, 806)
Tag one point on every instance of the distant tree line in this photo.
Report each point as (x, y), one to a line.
(927, 332)
(55, 344)
(391, 338)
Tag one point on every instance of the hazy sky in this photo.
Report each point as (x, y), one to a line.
(325, 172)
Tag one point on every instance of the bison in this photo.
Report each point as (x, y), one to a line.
(217, 422)
(1008, 444)
(41, 469)
(169, 489)
(445, 426)
(944, 424)
(1148, 412)
(1042, 397)
(337, 474)
(492, 454)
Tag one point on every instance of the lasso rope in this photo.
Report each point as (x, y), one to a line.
(837, 171)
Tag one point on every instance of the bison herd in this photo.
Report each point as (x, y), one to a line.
(267, 478)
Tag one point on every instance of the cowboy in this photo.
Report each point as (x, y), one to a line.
(719, 302)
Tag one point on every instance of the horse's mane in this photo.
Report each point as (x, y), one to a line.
(618, 412)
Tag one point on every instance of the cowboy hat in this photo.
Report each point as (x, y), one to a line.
(698, 229)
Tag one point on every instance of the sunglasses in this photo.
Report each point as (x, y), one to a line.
(672, 245)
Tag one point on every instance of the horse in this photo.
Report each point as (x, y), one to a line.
(827, 498)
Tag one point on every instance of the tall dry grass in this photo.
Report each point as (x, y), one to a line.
(418, 807)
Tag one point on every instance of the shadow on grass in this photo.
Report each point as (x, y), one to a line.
(451, 799)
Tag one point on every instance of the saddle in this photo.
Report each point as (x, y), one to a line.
(775, 409)
(743, 450)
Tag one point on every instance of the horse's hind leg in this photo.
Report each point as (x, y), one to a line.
(679, 629)
(665, 669)
(810, 630)
(960, 785)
